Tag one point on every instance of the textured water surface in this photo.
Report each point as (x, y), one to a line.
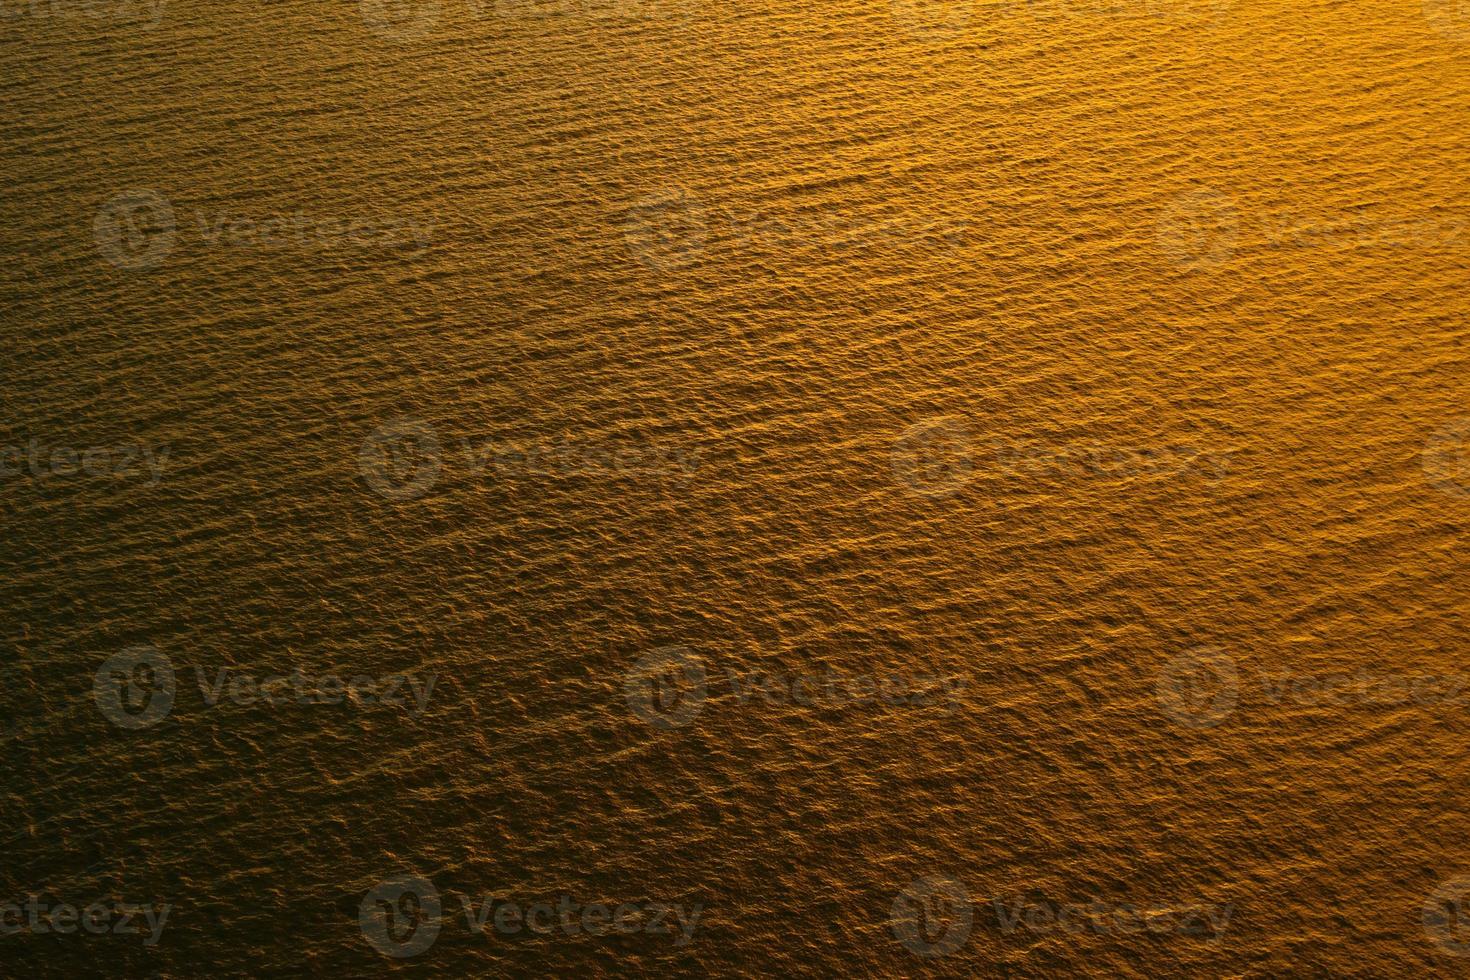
(900, 489)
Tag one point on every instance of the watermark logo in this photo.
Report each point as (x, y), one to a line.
(934, 458)
(401, 917)
(138, 229)
(135, 229)
(667, 231)
(667, 688)
(932, 917)
(120, 462)
(1449, 18)
(672, 230)
(932, 19)
(147, 14)
(102, 917)
(1446, 916)
(567, 916)
(1368, 688)
(135, 688)
(1043, 916)
(316, 233)
(400, 20)
(1446, 459)
(408, 691)
(1199, 688)
(1199, 230)
(401, 459)
(1202, 687)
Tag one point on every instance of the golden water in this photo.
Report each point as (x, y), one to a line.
(1108, 358)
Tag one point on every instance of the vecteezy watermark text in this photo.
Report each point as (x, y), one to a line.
(403, 459)
(122, 461)
(668, 688)
(1202, 229)
(1202, 687)
(672, 229)
(935, 916)
(1198, 920)
(136, 688)
(243, 688)
(568, 916)
(139, 228)
(104, 916)
(939, 457)
(402, 916)
(146, 13)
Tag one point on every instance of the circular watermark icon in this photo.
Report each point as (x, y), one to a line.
(135, 688)
(667, 688)
(1447, 916)
(933, 19)
(934, 458)
(400, 20)
(401, 459)
(1446, 459)
(932, 916)
(1200, 687)
(1200, 229)
(401, 916)
(1449, 18)
(135, 229)
(667, 231)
